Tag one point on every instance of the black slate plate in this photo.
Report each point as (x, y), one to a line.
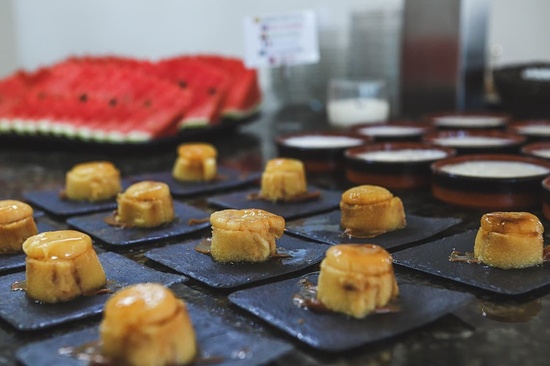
(25, 314)
(336, 332)
(328, 200)
(326, 229)
(216, 341)
(185, 259)
(229, 178)
(95, 226)
(49, 201)
(16, 261)
(433, 258)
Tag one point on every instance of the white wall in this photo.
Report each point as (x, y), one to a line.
(38, 32)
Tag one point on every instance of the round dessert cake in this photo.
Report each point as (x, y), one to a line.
(16, 225)
(195, 162)
(356, 279)
(283, 179)
(245, 235)
(92, 181)
(145, 324)
(509, 240)
(369, 210)
(61, 265)
(145, 204)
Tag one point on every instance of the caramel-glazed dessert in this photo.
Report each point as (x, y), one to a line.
(356, 279)
(145, 204)
(368, 211)
(144, 325)
(16, 225)
(283, 179)
(61, 265)
(92, 181)
(245, 235)
(509, 240)
(195, 162)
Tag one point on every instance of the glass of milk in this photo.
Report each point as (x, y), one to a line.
(351, 102)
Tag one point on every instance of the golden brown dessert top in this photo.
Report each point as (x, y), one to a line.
(197, 150)
(251, 219)
(142, 303)
(61, 244)
(147, 190)
(363, 258)
(101, 168)
(511, 223)
(13, 211)
(366, 194)
(284, 164)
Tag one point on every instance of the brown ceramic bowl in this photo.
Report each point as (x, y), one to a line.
(394, 165)
(393, 131)
(477, 142)
(546, 198)
(537, 149)
(490, 181)
(467, 120)
(320, 151)
(534, 130)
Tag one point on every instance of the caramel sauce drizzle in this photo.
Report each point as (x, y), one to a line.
(469, 257)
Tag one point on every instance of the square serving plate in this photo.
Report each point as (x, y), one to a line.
(335, 332)
(326, 229)
(183, 258)
(433, 258)
(28, 315)
(95, 226)
(228, 178)
(327, 201)
(217, 342)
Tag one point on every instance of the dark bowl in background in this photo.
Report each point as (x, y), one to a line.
(401, 172)
(473, 120)
(533, 129)
(477, 142)
(393, 131)
(521, 96)
(322, 158)
(507, 192)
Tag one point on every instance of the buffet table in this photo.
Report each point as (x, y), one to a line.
(490, 329)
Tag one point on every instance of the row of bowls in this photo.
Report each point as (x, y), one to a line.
(423, 156)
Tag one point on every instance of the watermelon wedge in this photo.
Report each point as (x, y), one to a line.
(244, 96)
(120, 99)
(102, 102)
(209, 86)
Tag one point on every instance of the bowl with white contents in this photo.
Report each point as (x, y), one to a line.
(537, 149)
(477, 142)
(490, 181)
(534, 129)
(320, 151)
(394, 165)
(393, 131)
(468, 120)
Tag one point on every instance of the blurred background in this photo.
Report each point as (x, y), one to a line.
(35, 33)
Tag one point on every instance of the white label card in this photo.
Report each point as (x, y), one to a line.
(285, 39)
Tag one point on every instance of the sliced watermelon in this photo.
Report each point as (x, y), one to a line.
(244, 96)
(209, 86)
(103, 102)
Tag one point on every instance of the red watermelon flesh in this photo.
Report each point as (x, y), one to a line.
(106, 102)
(208, 84)
(244, 96)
